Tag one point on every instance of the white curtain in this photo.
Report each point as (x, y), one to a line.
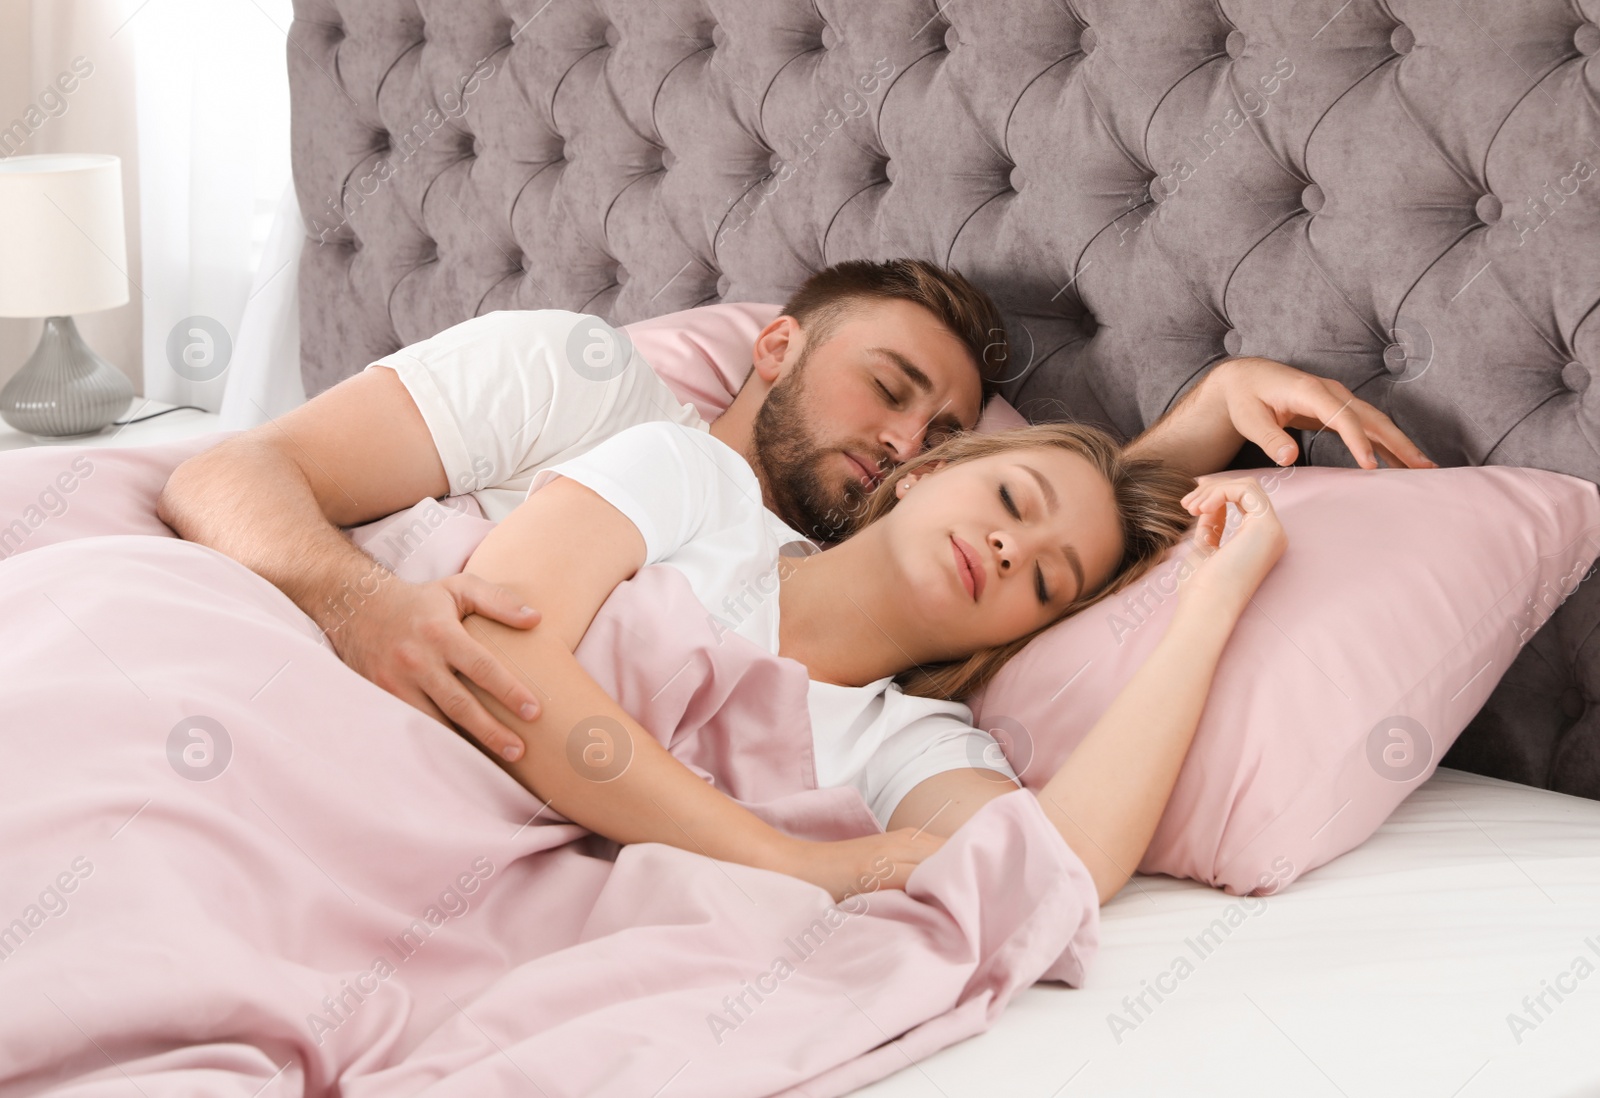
(264, 377)
(220, 232)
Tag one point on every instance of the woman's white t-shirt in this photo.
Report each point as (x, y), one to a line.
(697, 504)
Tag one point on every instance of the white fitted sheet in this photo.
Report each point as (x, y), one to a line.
(1391, 971)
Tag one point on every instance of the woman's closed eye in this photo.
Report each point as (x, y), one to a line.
(1038, 573)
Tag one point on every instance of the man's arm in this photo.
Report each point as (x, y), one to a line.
(566, 548)
(1196, 435)
(1253, 400)
(273, 498)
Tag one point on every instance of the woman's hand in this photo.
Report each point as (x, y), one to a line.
(1231, 572)
(863, 865)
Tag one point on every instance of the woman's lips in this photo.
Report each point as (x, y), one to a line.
(967, 567)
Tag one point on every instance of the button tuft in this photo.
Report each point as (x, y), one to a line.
(1402, 39)
(1573, 704)
(1088, 40)
(830, 38)
(613, 36)
(1232, 341)
(1235, 45)
(951, 38)
(1016, 179)
(1586, 39)
(1311, 199)
(1488, 209)
(1575, 376)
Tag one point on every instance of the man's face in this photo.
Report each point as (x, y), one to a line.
(888, 382)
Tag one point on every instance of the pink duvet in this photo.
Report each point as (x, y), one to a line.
(233, 866)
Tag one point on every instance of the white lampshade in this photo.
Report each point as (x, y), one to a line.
(62, 246)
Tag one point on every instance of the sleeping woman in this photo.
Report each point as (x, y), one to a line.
(957, 561)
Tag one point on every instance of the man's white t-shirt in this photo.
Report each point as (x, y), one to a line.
(507, 393)
(697, 504)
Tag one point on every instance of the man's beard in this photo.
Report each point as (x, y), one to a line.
(791, 463)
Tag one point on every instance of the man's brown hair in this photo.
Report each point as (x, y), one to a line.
(825, 298)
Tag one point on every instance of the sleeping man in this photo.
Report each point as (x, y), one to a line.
(868, 365)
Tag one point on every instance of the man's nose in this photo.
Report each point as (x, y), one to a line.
(903, 439)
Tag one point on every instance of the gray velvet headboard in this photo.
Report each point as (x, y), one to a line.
(1401, 196)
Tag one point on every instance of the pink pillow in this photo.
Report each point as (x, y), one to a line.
(1403, 596)
(704, 356)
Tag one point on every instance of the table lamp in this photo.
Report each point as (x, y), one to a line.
(62, 251)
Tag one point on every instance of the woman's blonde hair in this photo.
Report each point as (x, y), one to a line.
(1148, 495)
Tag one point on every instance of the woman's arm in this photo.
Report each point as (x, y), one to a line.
(564, 550)
(1108, 797)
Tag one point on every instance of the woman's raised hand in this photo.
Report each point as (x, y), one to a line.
(852, 867)
(1231, 572)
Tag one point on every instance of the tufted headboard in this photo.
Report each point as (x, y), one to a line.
(1401, 196)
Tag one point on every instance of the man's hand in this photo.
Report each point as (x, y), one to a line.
(1263, 397)
(1253, 400)
(408, 639)
(273, 499)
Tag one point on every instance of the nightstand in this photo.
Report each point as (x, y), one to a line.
(168, 428)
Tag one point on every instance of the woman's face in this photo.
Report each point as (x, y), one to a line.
(997, 546)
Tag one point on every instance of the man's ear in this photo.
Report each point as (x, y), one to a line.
(778, 344)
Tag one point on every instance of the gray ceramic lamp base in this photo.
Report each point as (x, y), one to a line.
(64, 389)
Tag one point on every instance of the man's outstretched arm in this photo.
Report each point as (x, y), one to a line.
(1254, 400)
(273, 499)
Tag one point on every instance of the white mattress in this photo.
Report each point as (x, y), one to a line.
(1391, 971)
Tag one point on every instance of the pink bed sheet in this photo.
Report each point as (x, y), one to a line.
(233, 866)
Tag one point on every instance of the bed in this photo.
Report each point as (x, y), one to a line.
(1404, 968)
(1395, 195)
